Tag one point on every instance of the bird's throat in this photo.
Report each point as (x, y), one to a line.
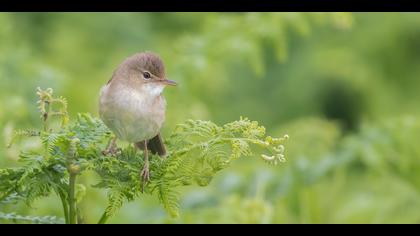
(153, 89)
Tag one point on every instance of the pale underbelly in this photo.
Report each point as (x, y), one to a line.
(128, 127)
(133, 118)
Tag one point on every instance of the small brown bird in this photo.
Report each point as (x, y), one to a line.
(132, 106)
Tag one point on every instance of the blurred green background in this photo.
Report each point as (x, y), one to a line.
(345, 88)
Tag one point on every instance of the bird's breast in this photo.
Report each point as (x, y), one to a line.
(132, 114)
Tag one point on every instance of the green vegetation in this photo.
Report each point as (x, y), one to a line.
(196, 151)
(343, 86)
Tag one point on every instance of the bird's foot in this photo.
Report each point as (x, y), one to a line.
(145, 175)
(112, 149)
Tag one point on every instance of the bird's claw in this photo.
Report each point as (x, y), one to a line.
(112, 149)
(145, 175)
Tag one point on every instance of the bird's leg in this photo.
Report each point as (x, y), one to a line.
(145, 172)
(111, 148)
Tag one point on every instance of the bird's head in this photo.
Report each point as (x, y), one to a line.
(145, 70)
(151, 68)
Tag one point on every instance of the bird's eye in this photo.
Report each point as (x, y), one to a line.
(146, 75)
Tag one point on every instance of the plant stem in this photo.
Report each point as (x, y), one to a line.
(72, 200)
(65, 207)
(45, 115)
(104, 218)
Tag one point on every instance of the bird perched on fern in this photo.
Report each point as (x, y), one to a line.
(132, 105)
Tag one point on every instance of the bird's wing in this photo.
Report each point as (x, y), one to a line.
(155, 145)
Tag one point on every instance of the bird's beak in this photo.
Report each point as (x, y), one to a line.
(169, 82)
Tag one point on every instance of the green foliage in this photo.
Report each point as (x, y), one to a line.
(381, 146)
(343, 85)
(219, 41)
(45, 106)
(197, 150)
(13, 217)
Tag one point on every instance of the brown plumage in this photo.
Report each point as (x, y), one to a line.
(132, 106)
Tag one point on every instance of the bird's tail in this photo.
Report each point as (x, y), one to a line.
(155, 145)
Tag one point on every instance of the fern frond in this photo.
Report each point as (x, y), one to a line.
(115, 202)
(22, 133)
(199, 149)
(169, 198)
(50, 141)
